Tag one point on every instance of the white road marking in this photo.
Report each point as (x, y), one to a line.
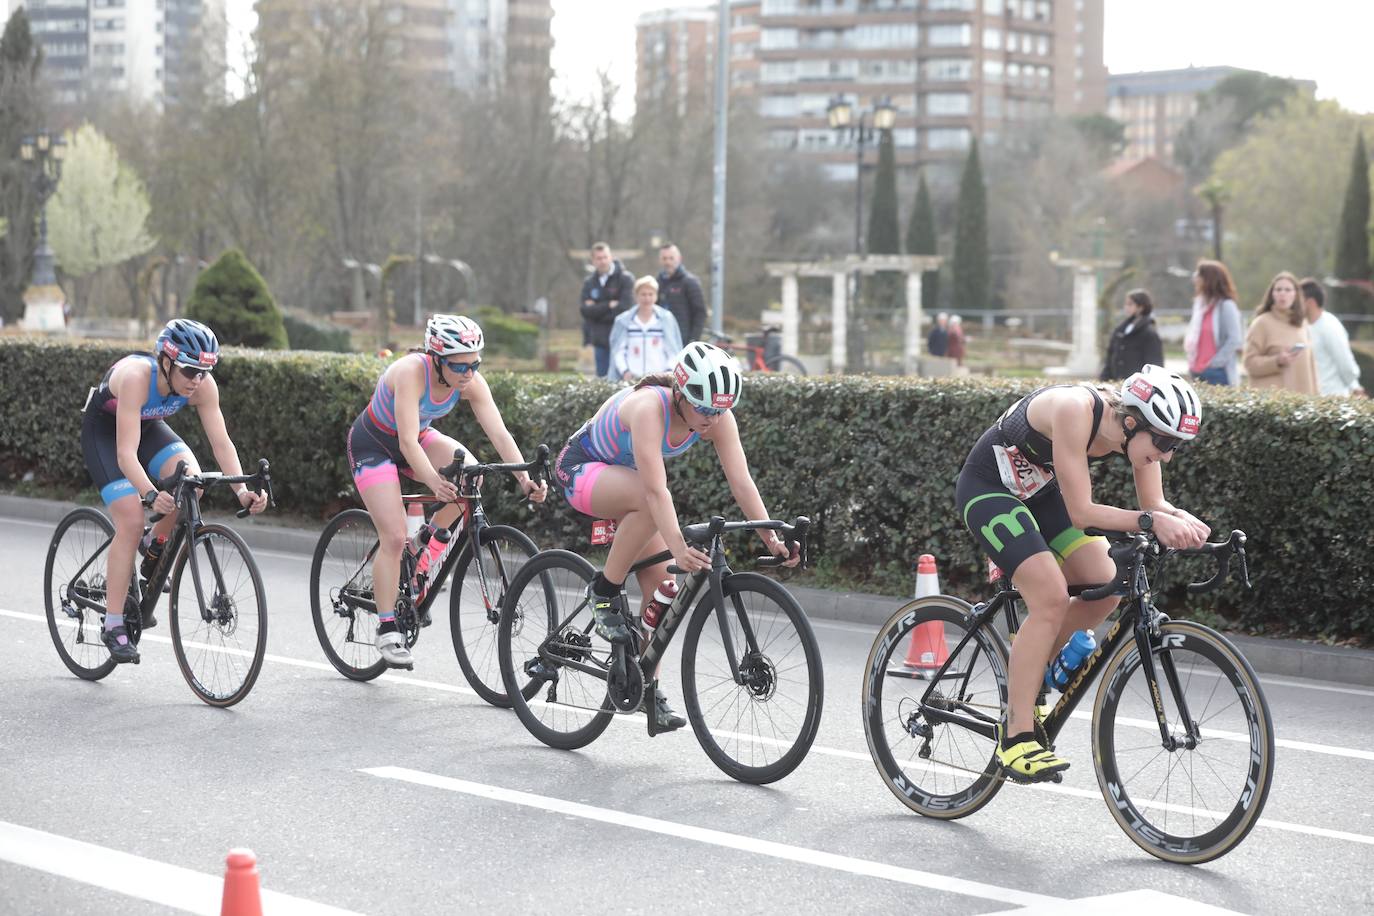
(135, 876)
(408, 680)
(720, 838)
(1145, 902)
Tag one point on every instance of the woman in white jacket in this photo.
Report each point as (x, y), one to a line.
(644, 341)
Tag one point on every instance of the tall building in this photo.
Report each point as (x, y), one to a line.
(477, 43)
(1155, 104)
(529, 45)
(675, 55)
(152, 50)
(416, 31)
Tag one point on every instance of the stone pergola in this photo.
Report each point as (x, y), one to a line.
(838, 269)
(1084, 358)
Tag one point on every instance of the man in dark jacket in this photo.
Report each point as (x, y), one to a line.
(679, 291)
(606, 293)
(1135, 342)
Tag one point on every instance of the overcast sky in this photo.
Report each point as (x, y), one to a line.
(1329, 41)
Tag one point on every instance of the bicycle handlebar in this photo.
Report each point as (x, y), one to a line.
(458, 472)
(703, 533)
(1127, 549)
(179, 479)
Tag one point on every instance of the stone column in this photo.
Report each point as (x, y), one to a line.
(1084, 358)
(911, 363)
(790, 314)
(838, 321)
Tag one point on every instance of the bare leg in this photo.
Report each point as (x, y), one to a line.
(1045, 593)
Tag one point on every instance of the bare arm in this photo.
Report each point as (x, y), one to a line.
(129, 384)
(1072, 429)
(646, 432)
(725, 437)
(206, 402)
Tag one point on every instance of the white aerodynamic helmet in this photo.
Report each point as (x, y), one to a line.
(1168, 403)
(447, 335)
(708, 376)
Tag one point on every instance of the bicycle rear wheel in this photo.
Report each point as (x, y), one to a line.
(787, 364)
(481, 579)
(75, 630)
(1189, 805)
(935, 768)
(340, 577)
(759, 728)
(546, 623)
(219, 623)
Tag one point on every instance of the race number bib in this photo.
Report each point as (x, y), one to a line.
(1021, 478)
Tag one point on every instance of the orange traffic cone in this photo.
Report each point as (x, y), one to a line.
(241, 894)
(928, 650)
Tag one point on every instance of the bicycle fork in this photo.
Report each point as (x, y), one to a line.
(1145, 647)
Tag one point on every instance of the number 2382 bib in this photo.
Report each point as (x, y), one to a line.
(1022, 478)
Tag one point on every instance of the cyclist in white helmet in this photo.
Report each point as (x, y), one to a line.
(613, 468)
(394, 435)
(1026, 496)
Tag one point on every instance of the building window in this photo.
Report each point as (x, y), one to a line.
(947, 138)
(992, 105)
(994, 7)
(964, 6)
(904, 137)
(778, 38)
(954, 35)
(107, 25)
(949, 69)
(947, 103)
(992, 39)
(891, 35)
(992, 71)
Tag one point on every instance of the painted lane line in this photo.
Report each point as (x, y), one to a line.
(1145, 902)
(711, 837)
(135, 876)
(839, 753)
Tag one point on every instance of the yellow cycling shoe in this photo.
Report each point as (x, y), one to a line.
(1029, 761)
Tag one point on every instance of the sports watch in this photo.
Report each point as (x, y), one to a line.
(1146, 521)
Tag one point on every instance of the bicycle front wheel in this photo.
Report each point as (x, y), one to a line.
(1188, 804)
(219, 616)
(546, 630)
(68, 573)
(756, 718)
(481, 579)
(341, 595)
(934, 766)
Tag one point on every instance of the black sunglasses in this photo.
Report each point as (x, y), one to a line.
(463, 368)
(1165, 444)
(190, 373)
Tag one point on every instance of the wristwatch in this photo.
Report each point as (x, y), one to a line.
(150, 497)
(1146, 521)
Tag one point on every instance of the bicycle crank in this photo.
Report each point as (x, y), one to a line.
(624, 680)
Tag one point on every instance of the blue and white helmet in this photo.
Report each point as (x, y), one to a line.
(189, 343)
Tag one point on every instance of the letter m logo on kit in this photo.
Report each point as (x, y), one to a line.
(1010, 524)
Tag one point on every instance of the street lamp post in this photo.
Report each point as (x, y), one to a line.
(43, 300)
(840, 113)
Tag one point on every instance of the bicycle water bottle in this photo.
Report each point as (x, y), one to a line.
(1080, 645)
(430, 545)
(663, 597)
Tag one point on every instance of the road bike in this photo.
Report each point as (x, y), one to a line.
(1182, 737)
(754, 354)
(218, 613)
(751, 667)
(481, 557)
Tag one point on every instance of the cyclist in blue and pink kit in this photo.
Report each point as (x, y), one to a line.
(127, 443)
(612, 468)
(394, 435)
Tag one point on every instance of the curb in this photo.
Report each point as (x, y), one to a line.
(1284, 657)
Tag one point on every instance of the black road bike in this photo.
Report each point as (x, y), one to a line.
(218, 613)
(481, 557)
(1182, 738)
(751, 668)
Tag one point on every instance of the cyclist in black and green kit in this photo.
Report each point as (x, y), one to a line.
(1026, 496)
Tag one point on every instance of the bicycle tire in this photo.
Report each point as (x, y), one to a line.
(1255, 754)
(888, 712)
(475, 632)
(363, 661)
(210, 654)
(761, 697)
(92, 660)
(788, 364)
(546, 590)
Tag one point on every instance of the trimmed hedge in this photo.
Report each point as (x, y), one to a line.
(303, 333)
(871, 460)
(507, 336)
(233, 299)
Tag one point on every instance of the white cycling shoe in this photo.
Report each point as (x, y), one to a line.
(394, 652)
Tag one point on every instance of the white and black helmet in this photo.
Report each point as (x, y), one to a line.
(447, 335)
(1165, 399)
(708, 376)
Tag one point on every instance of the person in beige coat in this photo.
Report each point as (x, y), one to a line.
(1278, 353)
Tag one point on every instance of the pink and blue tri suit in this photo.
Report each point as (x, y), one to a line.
(604, 440)
(374, 451)
(156, 441)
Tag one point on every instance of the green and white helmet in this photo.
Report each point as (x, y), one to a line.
(708, 376)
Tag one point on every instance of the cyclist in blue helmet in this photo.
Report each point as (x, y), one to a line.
(128, 445)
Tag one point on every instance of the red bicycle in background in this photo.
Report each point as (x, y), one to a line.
(760, 352)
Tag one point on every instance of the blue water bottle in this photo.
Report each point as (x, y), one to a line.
(1080, 645)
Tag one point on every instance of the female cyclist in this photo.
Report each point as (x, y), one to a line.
(613, 468)
(394, 435)
(1026, 495)
(126, 443)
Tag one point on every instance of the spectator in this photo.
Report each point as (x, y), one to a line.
(1214, 336)
(644, 341)
(1278, 353)
(679, 291)
(1337, 371)
(1135, 342)
(606, 294)
(938, 341)
(954, 347)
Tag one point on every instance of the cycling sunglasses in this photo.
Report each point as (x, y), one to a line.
(1165, 444)
(191, 373)
(710, 411)
(463, 368)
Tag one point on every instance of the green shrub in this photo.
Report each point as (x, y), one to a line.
(871, 460)
(233, 299)
(305, 333)
(507, 336)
